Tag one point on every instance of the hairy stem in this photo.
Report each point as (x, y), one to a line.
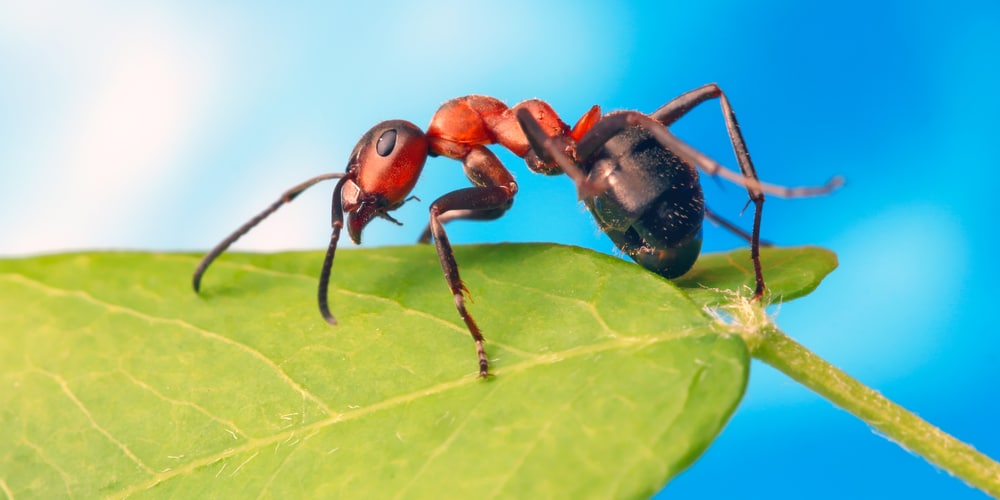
(895, 422)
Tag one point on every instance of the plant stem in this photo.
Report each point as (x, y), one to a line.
(893, 421)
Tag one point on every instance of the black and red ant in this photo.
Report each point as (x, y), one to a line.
(635, 176)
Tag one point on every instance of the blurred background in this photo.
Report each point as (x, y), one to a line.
(164, 125)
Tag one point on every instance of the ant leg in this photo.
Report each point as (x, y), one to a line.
(733, 228)
(286, 197)
(477, 215)
(493, 196)
(613, 123)
(476, 198)
(558, 149)
(681, 105)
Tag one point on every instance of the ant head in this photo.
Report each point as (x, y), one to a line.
(382, 171)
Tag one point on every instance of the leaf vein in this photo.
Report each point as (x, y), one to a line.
(276, 473)
(66, 477)
(561, 298)
(582, 389)
(64, 385)
(176, 322)
(228, 423)
(6, 489)
(441, 321)
(393, 402)
(445, 444)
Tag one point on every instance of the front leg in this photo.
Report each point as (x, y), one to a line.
(493, 195)
(477, 215)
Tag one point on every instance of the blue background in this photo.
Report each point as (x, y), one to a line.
(163, 125)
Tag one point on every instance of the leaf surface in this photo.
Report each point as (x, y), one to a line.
(117, 380)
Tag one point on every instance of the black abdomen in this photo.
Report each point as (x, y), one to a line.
(654, 207)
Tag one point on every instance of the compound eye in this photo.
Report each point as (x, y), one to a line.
(386, 143)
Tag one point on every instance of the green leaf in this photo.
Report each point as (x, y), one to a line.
(789, 273)
(118, 380)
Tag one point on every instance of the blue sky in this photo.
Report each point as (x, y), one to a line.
(163, 125)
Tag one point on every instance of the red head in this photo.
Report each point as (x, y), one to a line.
(382, 171)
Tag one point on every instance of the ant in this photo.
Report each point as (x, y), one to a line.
(636, 178)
